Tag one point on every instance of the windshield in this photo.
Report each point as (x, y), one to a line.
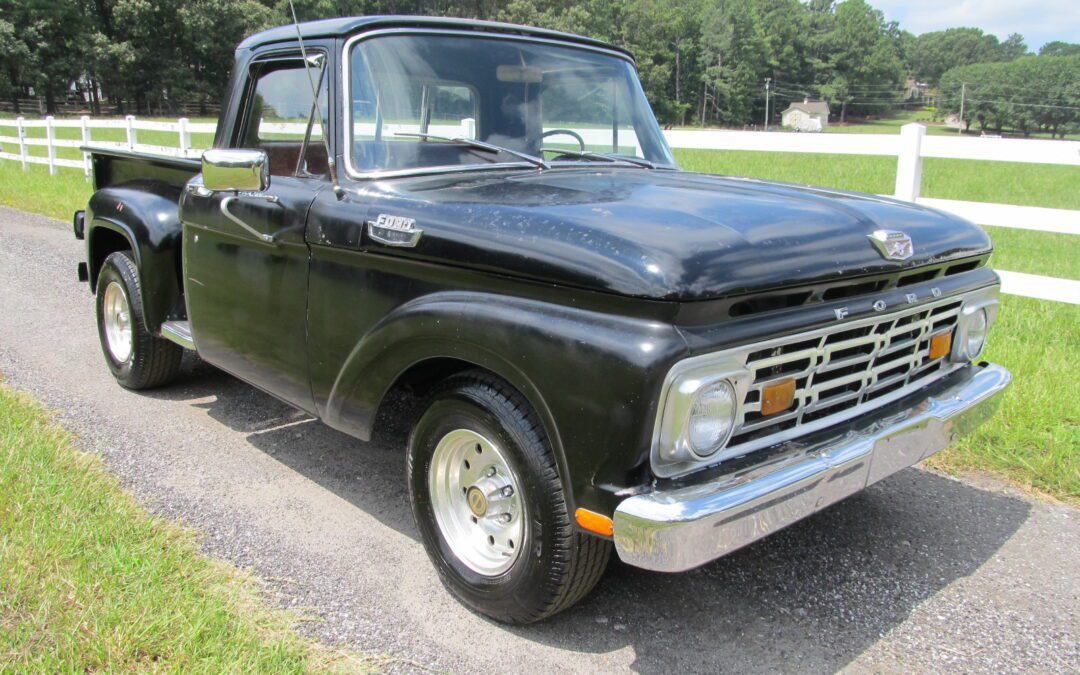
(529, 97)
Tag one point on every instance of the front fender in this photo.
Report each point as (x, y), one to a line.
(146, 213)
(593, 377)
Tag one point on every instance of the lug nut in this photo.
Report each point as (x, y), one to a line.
(505, 518)
(508, 491)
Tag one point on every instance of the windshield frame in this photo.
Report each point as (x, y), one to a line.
(347, 113)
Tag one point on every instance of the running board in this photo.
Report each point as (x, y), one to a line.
(178, 332)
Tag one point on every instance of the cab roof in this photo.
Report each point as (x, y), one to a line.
(347, 26)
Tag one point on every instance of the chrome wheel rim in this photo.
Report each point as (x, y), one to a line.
(477, 502)
(116, 313)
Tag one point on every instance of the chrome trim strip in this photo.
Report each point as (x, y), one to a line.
(346, 65)
(679, 529)
(724, 360)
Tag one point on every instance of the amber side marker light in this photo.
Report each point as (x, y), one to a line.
(778, 396)
(594, 522)
(940, 345)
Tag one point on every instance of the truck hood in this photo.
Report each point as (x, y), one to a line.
(667, 235)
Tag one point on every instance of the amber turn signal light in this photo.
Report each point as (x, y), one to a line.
(940, 345)
(594, 522)
(778, 396)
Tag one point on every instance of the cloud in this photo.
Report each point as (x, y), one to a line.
(1039, 22)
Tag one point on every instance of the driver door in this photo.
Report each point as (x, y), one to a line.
(245, 255)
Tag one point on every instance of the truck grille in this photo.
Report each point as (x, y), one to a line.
(842, 371)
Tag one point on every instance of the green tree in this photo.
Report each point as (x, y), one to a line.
(735, 54)
(47, 52)
(17, 61)
(862, 58)
(934, 53)
(1059, 48)
(1033, 93)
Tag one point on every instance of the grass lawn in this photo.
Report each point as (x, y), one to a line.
(1047, 253)
(1054, 186)
(90, 582)
(1034, 439)
(35, 190)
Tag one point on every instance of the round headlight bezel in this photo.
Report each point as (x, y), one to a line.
(672, 453)
(979, 315)
(979, 318)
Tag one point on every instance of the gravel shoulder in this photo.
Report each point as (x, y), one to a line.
(920, 572)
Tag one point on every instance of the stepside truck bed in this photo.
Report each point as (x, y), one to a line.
(114, 167)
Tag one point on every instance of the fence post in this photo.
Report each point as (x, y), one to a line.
(50, 140)
(185, 137)
(22, 142)
(468, 128)
(909, 163)
(84, 123)
(129, 125)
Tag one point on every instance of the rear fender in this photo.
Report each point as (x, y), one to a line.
(146, 214)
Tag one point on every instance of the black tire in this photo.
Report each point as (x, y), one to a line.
(153, 361)
(558, 564)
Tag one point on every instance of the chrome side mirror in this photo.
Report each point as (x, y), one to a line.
(229, 170)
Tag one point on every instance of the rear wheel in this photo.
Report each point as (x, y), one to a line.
(137, 359)
(489, 505)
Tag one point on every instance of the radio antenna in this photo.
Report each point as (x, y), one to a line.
(331, 165)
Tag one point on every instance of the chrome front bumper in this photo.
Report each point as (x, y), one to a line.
(679, 529)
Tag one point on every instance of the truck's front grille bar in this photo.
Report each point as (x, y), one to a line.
(842, 371)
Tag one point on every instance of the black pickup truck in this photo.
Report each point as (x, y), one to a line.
(591, 349)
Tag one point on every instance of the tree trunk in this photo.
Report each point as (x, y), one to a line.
(50, 101)
(843, 111)
(704, 95)
(15, 102)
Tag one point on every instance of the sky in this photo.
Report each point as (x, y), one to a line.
(1039, 21)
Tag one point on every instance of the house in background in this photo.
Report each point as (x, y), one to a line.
(806, 116)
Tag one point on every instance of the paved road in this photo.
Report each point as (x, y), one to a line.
(920, 572)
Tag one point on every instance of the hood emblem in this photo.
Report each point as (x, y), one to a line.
(892, 244)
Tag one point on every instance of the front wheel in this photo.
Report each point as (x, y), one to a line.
(487, 500)
(137, 359)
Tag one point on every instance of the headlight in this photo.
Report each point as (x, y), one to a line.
(699, 411)
(712, 417)
(975, 338)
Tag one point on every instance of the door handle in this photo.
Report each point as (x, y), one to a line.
(266, 238)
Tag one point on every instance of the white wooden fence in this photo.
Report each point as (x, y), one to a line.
(131, 126)
(910, 146)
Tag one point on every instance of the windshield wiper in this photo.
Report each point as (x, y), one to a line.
(481, 145)
(604, 157)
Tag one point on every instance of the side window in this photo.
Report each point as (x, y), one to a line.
(280, 119)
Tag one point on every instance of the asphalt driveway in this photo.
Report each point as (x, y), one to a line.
(920, 572)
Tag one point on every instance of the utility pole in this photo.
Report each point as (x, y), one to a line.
(767, 80)
(963, 94)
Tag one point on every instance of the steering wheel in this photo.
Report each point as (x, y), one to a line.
(568, 132)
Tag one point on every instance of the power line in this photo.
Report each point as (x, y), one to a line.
(816, 85)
